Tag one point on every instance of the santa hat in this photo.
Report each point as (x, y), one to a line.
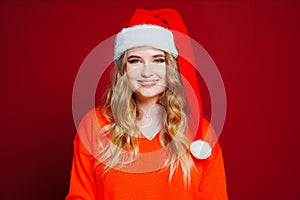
(145, 35)
(163, 29)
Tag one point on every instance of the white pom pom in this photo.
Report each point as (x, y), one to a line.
(200, 149)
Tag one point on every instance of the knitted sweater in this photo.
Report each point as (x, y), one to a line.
(144, 179)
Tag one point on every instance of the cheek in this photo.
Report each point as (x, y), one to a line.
(162, 73)
(131, 78)
(132, 73)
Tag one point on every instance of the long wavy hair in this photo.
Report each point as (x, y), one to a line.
(121, 112)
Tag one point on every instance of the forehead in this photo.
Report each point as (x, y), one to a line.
(144, 50)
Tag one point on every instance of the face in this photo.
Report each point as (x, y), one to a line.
(146, 72)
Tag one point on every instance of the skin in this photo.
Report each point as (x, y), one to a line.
(146, 73)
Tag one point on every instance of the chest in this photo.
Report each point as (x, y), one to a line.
(118, 184)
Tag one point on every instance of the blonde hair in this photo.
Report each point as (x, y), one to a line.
(120, 110)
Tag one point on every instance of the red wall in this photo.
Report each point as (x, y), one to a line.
(254, 44)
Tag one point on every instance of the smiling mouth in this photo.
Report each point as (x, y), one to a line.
(148, 83)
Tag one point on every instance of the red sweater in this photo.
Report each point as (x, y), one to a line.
(87, 182)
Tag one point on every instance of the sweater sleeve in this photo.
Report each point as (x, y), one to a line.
(83, 185)
(82, 182)
(213, 181)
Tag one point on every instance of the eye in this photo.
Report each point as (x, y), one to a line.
(159, 60)
(133, 61)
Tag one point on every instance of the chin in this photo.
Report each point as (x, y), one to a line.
(149, 93)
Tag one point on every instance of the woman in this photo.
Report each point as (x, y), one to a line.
(137, 146)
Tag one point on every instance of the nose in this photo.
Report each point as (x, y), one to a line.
(146, 71)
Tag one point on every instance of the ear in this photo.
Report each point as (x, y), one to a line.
(200, 149)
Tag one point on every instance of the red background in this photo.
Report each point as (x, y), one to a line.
(254, 44)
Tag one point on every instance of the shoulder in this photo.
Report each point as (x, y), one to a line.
(89, 131)
(93, 117)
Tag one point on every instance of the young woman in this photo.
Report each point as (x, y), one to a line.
(139, 145)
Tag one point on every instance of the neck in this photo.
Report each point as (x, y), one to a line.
(149, 117)
(145, 105)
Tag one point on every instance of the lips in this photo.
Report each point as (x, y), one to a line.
(148, 83)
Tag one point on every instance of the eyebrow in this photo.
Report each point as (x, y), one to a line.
(133, 56)
(154, 56)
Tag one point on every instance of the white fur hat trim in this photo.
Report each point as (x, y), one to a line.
(144, 35)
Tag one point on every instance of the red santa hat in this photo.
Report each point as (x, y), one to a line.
(163, 29)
